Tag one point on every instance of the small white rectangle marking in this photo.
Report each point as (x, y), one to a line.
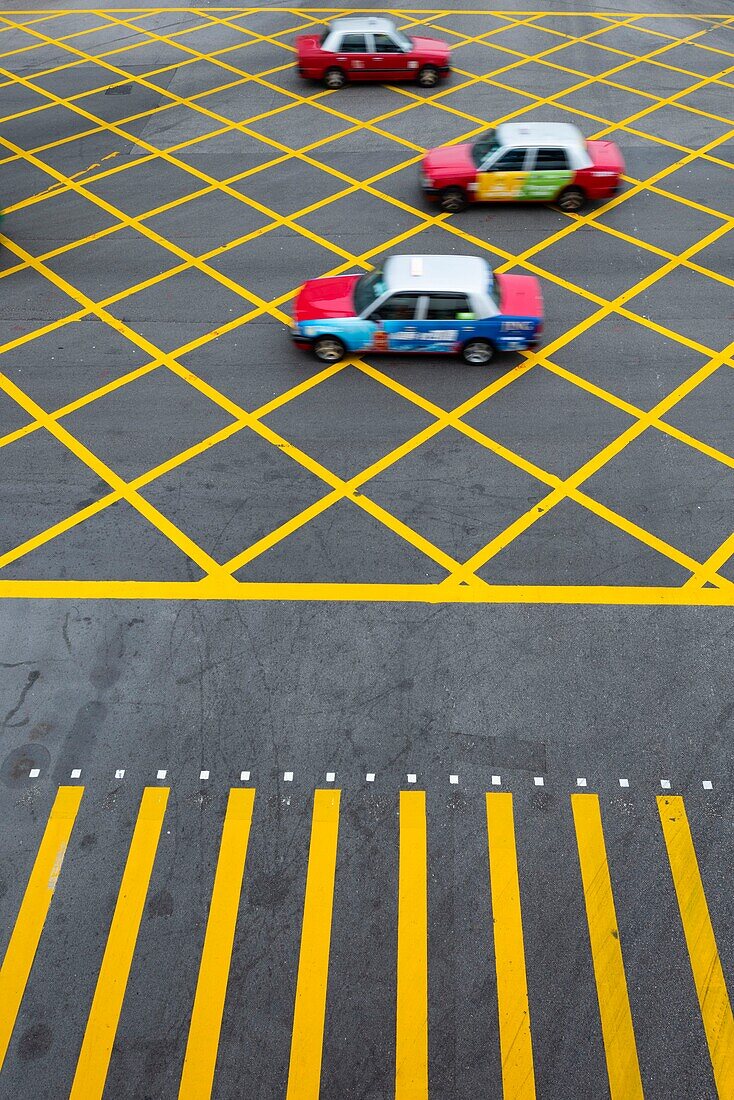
(34, 773)
(330, 777)
(76, 773)
(708, 785)
(624, 782)
(120, 773)
(539, 781)
(453, 779)
(581, 782)
(161, 773)
(287, 777)
(412, 777)
(496, 780)
(370, 777)
(203, 775)
(665, 784)
(244, 777)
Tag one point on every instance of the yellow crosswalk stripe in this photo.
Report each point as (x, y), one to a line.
(304, 1072)
(411, 1037)
(34, 909)
(618, 1034)
(206, 1018)
(99, 1036)
(708, 975)
(516, 1049)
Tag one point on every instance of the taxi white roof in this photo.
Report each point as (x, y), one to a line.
(560, 134)
(426, 274)
(361, 24)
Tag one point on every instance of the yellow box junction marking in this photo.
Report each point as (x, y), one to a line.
(462, 583)
(703, 953)
(34, 908)
(411, 1031)
(513, 1010)
(620, 1048)
(206, 1019)
(307, 1038)
(99, 1035)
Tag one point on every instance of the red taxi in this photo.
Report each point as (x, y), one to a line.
(366, 48)
(523, 161)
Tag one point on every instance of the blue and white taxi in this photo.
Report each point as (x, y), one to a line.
(444, 304)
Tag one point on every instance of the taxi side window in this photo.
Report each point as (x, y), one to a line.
(353, 43)
(448, 307)
(385, 44)
(511, 161)
(401, 307)
(551, 160)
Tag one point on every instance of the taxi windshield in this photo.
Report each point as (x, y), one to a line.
(402, 40)
(485, 144)
(368, 290)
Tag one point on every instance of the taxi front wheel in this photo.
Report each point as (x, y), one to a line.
(453, 199)
(329, 349)
(571, 199)
(477, 352)
(428, 76)
(334, 78)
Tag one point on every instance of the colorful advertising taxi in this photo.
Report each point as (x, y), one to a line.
(537, 162)
(448, 304)
(367, 48)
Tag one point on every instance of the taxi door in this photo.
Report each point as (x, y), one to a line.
(394, 326)
(504, 178)
(388, 61)
(445, 321)
(353, 56)
(551, 172)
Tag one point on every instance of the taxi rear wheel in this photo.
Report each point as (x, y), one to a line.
(571, 199)
(477, 352)
(428, 76)
(329, 349)
(334, 78)
(453, 199)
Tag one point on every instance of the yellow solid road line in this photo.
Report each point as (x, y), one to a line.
(211, 988)
(411, 1038)
(708, 975)
(611, 984)
(304, 1071)
(516, 1049)
(99, 1036)
(34, 908)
